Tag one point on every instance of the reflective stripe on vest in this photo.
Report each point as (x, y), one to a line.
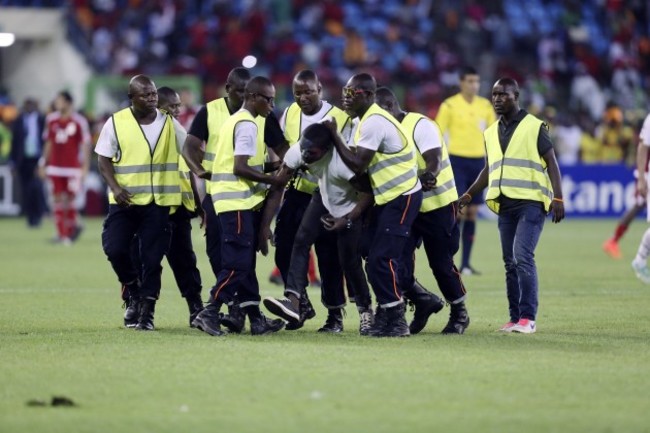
(148, 175)
(305, 181)
(391, 174)
(521, 172)
(186, 185)
(445, 191)
(218, 113)
(230, 192)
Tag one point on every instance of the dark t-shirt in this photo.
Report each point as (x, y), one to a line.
(544, 144)
(273, 136)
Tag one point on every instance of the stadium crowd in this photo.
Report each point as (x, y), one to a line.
(573, 58)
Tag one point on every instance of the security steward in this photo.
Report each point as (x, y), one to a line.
(383, 150)
(138, 158)
(436, 224)
(238, 195)
(307, 110)
(206, 128)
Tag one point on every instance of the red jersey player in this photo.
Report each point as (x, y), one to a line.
(66, 158)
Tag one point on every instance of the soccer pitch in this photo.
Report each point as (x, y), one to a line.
(586, 370)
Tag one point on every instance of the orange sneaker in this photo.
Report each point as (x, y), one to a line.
(611, 249)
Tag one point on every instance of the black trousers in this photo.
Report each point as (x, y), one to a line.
(34, 204)
(151, 224)
(338, 255)
(438, 231)
(181, 256)
(212, 235)
(287, 222)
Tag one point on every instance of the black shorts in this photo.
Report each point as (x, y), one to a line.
(466, 170)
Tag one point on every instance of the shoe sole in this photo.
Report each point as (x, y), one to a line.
(524, 331)
(280, 310)
(330, 331)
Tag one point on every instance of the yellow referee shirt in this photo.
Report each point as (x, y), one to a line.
(462, 124)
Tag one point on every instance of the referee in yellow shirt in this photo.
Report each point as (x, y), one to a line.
(462, 119)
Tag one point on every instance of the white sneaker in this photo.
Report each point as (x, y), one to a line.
(524, 326)
(507, 327)
(366, 319)
(641, 270)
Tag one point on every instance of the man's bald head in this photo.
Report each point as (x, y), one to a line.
(257, 85)
(138, 82)
(386, 99)
(509, 84)
(363, 81)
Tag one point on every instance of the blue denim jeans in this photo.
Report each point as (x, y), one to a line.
(520, 230)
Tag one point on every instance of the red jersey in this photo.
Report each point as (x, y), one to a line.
(67, 135)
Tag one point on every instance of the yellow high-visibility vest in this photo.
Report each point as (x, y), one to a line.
(391, 174)
(218, 113)
(230, 192)
(520, 173)
(445, 190)
(187, 193)
(307, 182)
(148, 175)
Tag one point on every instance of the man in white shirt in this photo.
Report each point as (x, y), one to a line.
(383, 150)
(336, 207)
(144, 185)
(309, 108)
(640, 262)
(436, 225)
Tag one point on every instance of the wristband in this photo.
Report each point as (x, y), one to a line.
(558, 199)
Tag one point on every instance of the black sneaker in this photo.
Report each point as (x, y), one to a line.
(195, 306)
(131, 312)
(334, 322)
(282, 308)
(458, 320)
(424, 308)
(263, 326)
(147, 310)
(209, 320)
(396, 325)
(307, 312)
(234, 320)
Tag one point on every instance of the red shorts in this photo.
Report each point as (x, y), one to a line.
(65, 184)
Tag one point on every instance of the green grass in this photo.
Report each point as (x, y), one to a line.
(586, 370)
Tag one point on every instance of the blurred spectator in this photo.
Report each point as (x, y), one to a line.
(566, 138)
(26, 151)
(586, 93)
(616, 138)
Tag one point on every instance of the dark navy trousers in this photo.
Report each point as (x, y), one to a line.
(389, 230)
(240, 232)
(438, 232)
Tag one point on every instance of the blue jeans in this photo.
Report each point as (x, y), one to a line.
(520, 230)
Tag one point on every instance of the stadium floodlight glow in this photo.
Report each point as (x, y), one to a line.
(249, 62)
(7, 39)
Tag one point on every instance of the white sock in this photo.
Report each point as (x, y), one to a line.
(644, 248)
